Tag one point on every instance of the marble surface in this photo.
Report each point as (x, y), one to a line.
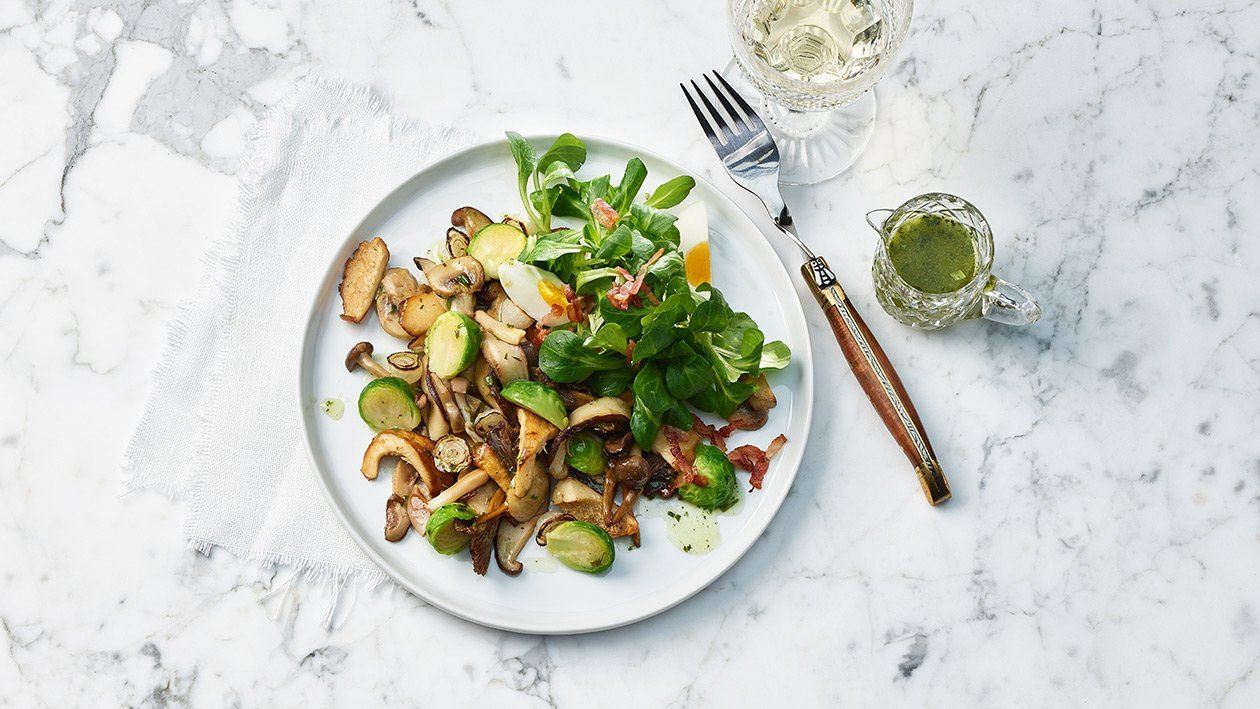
(1102, 541)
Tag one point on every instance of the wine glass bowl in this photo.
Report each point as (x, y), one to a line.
(814, 63)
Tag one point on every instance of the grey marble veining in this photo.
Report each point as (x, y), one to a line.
(1101, 545)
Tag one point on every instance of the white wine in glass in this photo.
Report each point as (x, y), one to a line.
(814, 62)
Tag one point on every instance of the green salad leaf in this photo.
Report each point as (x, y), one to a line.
(674, 347)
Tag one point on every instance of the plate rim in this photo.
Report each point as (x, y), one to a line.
(745, 222)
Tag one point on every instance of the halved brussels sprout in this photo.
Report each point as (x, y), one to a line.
(389, 402)
(441, 531)
(539, 398)
(452, 344)
(581, 546)
(722, 489)
(586, 454)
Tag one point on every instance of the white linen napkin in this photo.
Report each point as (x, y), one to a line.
(219, 429)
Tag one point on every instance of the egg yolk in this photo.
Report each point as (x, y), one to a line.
(697, 263)
(552, 294)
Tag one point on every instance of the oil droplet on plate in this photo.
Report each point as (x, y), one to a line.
(332, 408)
(690, 529)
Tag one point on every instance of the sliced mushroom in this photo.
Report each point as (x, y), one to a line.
(509, 541)
(480, 499)
(406, 365)
(609, 415)
(755, 411)
(360, 278)
(483, 380)
(527, 494)
(436, 423)
(361, 356)
(417, 509)
(574, 498)
(457, 276)
(506, 333)
(464, 304)
(536, 431)
(470, 219)
(442, 394)
(396, 521)
(481, 544)
(403, 479)
(600, 408)
(507, 361)
(451, 454)
(499, 435)
(420, 310)
(454, 245)
(411, 447)
(508, 312)
(396, 287)
(489, 461)
(557, 468)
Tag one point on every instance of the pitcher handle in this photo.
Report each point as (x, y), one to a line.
(880, 226)
(1007, 303)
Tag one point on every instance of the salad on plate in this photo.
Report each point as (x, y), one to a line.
(553, 367)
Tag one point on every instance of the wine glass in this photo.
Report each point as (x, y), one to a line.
(813, 63)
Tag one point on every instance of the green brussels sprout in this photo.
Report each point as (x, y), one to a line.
(722, 490)
(581, 546)
(539, 398)
(441, 528)
(389, 402)
(586, 454)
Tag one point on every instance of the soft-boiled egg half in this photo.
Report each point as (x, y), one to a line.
(693, 242)
(535, 291)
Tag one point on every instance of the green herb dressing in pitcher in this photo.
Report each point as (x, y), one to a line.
(933, 253)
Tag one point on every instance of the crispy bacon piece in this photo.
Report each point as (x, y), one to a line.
(604, 214)
(755, 460)
(716, 436)
(629, 351)
(576, 308)
(686, 467)
(536, 334)
(625, 294)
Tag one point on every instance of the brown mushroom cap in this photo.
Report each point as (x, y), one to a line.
(352, 359)
(396, 521)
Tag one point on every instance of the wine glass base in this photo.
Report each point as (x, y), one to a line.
(813, 145)
(818, 145)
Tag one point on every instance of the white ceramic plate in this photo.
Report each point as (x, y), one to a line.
(546, 598)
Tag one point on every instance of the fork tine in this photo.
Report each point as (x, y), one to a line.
(749, 113)
(704, 121)
(726, 103)
(717, 117)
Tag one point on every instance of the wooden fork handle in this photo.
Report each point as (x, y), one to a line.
(877, 377)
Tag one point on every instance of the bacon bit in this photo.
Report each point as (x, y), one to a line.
(604, 214)
(629, 351)
(536, 334)
(576, 308)
(685, 467)
(624, 295)
(755, 460)
(716, 436)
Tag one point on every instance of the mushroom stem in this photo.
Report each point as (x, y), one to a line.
(627, 505)
(463, 486)
(361, 356)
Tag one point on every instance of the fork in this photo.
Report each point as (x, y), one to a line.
(749, 154)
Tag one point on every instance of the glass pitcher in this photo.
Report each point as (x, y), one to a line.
(984, 295)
